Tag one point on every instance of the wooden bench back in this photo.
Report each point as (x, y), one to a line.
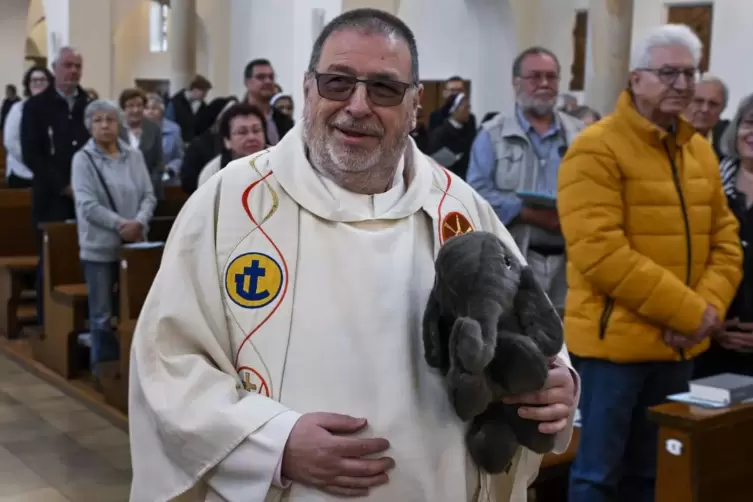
(62, 254)
(173, 202)
(138, 267)
(159, 228)
(17, 236)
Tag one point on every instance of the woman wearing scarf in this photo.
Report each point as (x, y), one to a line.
(731, 350)
(450, 143)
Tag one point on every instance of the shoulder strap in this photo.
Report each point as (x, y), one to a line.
(101, 181)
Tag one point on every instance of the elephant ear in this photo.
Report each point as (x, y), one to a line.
(537, 316)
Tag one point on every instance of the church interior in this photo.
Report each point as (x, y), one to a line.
(63, 432)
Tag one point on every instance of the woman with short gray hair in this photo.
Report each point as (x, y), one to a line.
(114, 203)
(731, 350)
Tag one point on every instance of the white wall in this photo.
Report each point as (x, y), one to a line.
(475, 39)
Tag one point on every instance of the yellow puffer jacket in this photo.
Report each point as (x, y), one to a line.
(650, 239)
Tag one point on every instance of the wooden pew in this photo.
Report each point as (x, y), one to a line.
(138, 267)
(171, 205)
(704, 455)
(159, 228)
(65, 301)
(18, 255)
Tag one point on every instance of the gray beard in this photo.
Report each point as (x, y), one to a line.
(539, 110)
(370, 179)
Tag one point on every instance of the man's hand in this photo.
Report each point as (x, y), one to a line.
(553, 405)
(547, 219)
(319, 454)
(131, 231)
(709, 324)
(736, 335)
(68, 191)
(678, 340)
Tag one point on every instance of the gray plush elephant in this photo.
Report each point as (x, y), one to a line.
(492, 332)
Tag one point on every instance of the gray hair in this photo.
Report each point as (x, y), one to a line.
(707, 78)
(664, 36)
(65, 48)
(372, 22)
(101, 105)
(155, 98)
(517, 64)
(728, 142)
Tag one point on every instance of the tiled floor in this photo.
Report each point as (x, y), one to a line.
(53, 449)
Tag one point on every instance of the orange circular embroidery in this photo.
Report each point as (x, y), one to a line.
(253, 381)
(453, 224)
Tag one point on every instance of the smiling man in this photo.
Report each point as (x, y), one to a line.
(278, 355)
(654, 262)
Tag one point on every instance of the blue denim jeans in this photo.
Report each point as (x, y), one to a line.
(616, 459)
(103, 303)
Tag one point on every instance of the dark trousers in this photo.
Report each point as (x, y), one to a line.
(14, 181)
(616, 459)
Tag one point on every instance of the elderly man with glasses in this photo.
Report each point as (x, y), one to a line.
(654, 261)
(279, 352)
(515, 161)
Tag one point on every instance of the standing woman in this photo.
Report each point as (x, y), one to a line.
(36, 79)
(143, 134)
(731, 349)
(114, 203)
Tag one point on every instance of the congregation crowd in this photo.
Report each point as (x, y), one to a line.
(636, 224)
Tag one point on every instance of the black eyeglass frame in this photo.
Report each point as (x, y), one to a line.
(370, 83)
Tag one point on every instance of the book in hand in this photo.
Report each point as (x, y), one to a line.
(725, 389)
(538, 200)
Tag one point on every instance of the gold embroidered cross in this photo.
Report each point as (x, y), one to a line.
(250, 387)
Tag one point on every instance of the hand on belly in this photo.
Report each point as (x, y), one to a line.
(322, 452)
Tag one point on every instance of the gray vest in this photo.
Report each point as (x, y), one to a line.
(517, 170)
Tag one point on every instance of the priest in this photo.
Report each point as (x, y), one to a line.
(278, 355)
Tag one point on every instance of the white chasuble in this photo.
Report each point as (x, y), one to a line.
(281, 294)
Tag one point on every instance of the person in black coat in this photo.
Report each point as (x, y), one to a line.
(181, 110)
(204, 148)
(52, 130)
(731, 350)
(450, 143)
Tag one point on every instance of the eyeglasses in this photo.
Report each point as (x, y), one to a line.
(746, 126)
(242, 132)
(265, 76)
(336, 87)
(538, 76)
(668, 75)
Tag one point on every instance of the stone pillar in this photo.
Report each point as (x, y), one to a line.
(182, 43)
(610, 25)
